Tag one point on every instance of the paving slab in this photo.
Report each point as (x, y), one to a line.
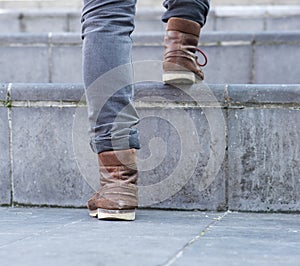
(47, 236)
(247, 239)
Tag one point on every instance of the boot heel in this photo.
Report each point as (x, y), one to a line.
(123, 215)
(179, 77)
(93, 213)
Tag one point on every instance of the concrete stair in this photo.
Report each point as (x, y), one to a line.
(250, 132)
(210, 147)
(221, 18)
(77, 4)
(262, 57)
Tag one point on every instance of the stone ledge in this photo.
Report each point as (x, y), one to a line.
(3, 92)
(264, 94)
(46, 92)
(156, 38)
(260, 172)
(229, 95)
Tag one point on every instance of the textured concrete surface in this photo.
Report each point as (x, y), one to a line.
(5, 177)
(183, 135)
(232, 57)
(263, 148)
(227, 18)
(159, 126)
(265, 68)
(24, 65)
(77, 4)
(264, 159)
(70, 237)
(49, 174)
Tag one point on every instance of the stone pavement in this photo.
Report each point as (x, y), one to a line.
(41, 236)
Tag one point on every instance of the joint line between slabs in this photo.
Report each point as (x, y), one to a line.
(180, 253)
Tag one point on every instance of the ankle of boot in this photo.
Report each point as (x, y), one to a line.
(184, 25)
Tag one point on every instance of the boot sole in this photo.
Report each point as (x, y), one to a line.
(121, 215)
(93, 213)
(124, 215)
(179, 77)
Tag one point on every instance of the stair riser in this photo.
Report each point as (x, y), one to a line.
(233, 58)
(220, 19)
(45, 4)
(260, 171)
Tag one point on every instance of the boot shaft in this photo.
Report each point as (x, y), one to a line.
(181, 41)
(118, 166)
(118, 180)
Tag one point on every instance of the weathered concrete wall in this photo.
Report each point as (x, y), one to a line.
(259, 171)
(228, 18)
(77, 4)
(233, 57)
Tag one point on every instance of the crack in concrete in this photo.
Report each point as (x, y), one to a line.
(181, 252)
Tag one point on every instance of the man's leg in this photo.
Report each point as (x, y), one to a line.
(185, 19)
(107, 72)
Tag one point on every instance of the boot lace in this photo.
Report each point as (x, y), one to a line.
(204, 56)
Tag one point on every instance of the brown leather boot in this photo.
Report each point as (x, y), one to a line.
(118, 195)
(180, 63)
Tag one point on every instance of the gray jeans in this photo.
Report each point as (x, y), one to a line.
(107, 72)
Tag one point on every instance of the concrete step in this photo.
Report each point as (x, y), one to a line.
(227, 18)
(77, 4)
(263, 57)
(206, 147)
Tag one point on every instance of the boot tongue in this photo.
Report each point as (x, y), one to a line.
(184, 25)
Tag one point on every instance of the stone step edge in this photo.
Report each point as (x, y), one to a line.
(225, 95)
(155, 38)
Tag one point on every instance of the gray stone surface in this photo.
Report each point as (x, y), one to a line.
(274, 70)
(77, 4)
(283, 23)
(233, 58)
(201, 190)
(28, 64)
(37, 22)
(3, 92)
(5, 178)
(263, 145)
(74, 22)
(247, 239)
(64, 237)
(46, 92)
(19, 39)
(66, 58)
(239, 24)
(263, 94)
(11, 20)
(224, 65)
(148, 19)
(264, 159)
(49, 174)
(68, 236)
(204, 94)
